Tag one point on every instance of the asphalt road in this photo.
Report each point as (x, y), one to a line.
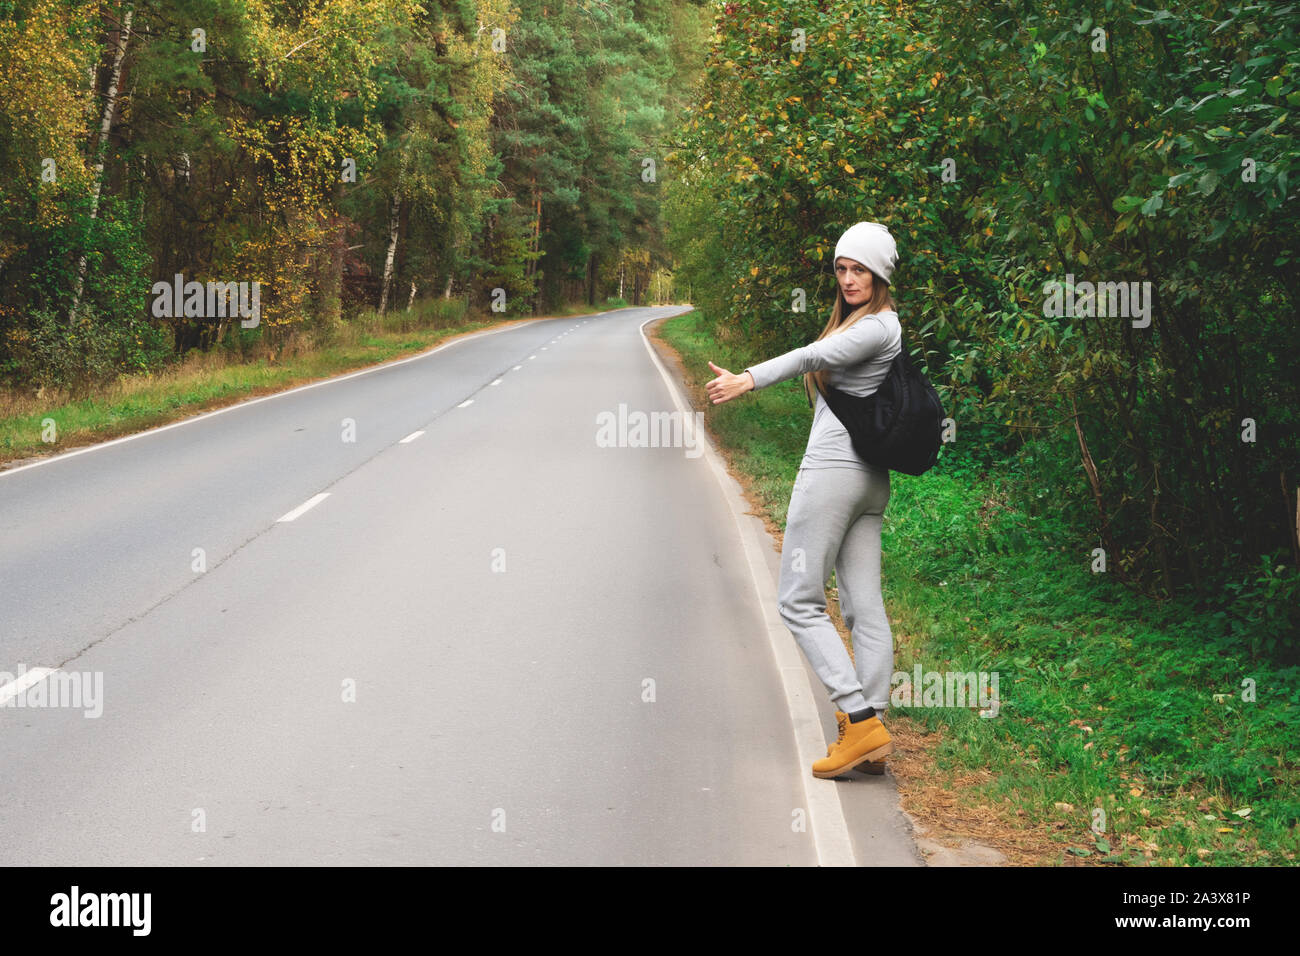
(496, 642)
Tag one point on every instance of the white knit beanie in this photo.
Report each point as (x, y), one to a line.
(871, 244)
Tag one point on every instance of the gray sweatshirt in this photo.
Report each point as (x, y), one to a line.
(858, 359)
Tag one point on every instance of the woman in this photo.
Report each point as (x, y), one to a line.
(838, 502)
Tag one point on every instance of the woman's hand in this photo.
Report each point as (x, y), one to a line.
(727, 386)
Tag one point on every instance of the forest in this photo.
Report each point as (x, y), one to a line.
(517, 155)
(342, 155)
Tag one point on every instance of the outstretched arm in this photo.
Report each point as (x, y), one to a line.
(859, 342)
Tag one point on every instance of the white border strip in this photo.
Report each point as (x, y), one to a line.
(263, 398)
(830, 831)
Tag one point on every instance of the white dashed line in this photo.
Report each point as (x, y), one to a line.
(28, 679)
(411, 437)
(468, 401)
(305, 507)
(4, 473)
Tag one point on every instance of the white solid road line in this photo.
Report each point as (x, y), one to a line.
(830, 831)
(411, 437)
(27, 679)
(304, 507)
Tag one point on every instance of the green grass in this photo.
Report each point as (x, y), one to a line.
(1107, 700)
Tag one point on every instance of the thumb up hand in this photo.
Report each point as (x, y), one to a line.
(727, 386)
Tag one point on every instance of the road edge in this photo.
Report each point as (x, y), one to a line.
(832, 841)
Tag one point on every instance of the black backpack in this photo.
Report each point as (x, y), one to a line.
(897, 426)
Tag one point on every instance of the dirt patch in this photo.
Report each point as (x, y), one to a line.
(958, 831)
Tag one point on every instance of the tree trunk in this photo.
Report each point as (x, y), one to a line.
(105, 125)
(536, 240)
(338, 252)
(1293, 532)
(394, 219)
(394, 228)
(1090, 468)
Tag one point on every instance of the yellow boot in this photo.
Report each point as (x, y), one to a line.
(859, 743)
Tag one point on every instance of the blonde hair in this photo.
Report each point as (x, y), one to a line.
(880, 300)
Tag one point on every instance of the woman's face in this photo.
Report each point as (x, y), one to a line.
(854, 279)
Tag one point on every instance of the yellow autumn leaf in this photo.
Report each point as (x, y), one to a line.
(848, 169)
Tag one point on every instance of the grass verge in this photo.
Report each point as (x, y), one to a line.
(1126, 732)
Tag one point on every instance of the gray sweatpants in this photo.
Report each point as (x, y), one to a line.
(834, 520)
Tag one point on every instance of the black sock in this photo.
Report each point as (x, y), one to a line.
(862, 715)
